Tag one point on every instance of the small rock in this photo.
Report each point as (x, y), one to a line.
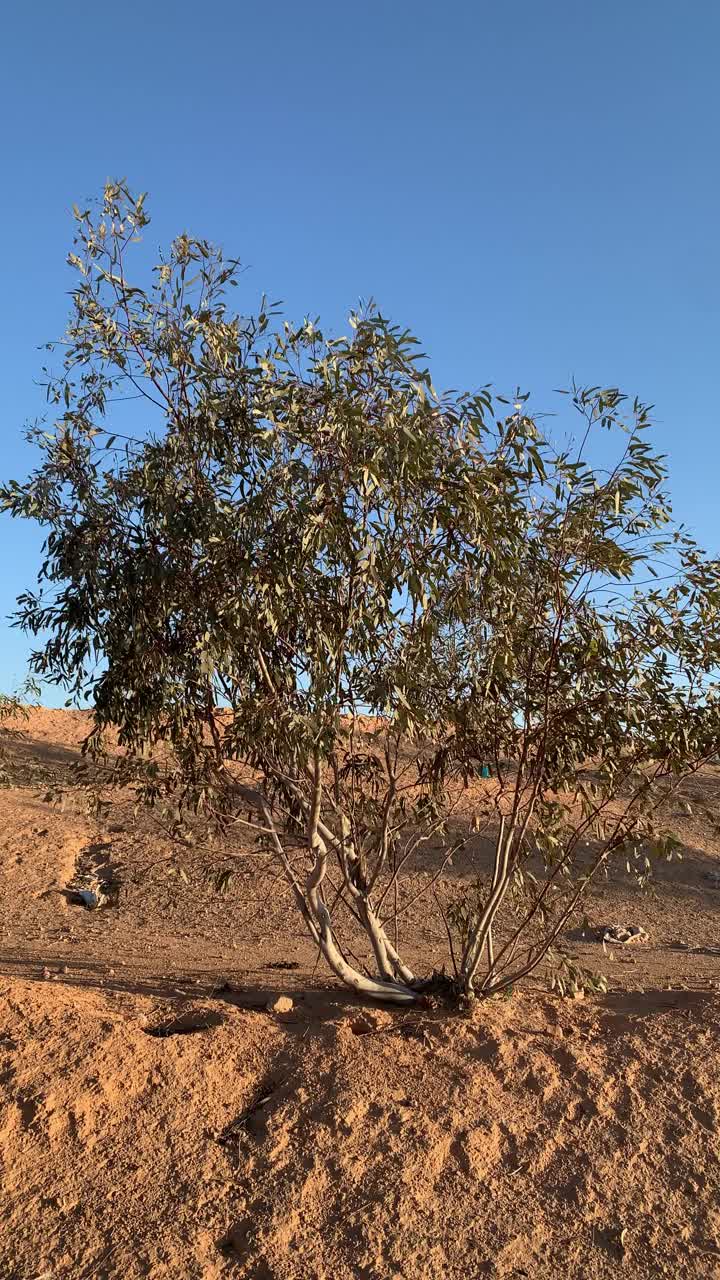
(376, 1017)
(46, 974)
(111, 973)
(64, 969)
(283, 1004)
(370, 1020)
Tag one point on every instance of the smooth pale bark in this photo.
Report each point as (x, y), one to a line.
(480, 934)
(317, 917)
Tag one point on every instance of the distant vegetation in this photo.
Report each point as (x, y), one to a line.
(12, 707)
(272, 547)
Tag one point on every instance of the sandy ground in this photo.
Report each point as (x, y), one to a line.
(157, 1120)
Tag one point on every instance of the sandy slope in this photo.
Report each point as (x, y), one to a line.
(543, 1138)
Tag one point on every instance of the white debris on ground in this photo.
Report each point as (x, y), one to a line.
(90, 898)
(623, 935)
(95, 883)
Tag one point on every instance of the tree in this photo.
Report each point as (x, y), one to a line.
(316, 599)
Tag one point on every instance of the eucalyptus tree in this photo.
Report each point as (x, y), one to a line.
(316, 600)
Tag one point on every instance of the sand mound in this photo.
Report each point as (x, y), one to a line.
(539, 1138)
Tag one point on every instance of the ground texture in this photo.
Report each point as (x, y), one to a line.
(157, 1119)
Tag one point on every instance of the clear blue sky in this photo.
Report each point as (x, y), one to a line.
(534, 187)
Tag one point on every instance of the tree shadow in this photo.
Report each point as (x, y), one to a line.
(322, 1001)
(647, 1004)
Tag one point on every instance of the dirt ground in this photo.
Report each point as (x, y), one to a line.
(156, 1119)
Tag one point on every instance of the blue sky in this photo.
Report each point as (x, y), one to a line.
(534, 188)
